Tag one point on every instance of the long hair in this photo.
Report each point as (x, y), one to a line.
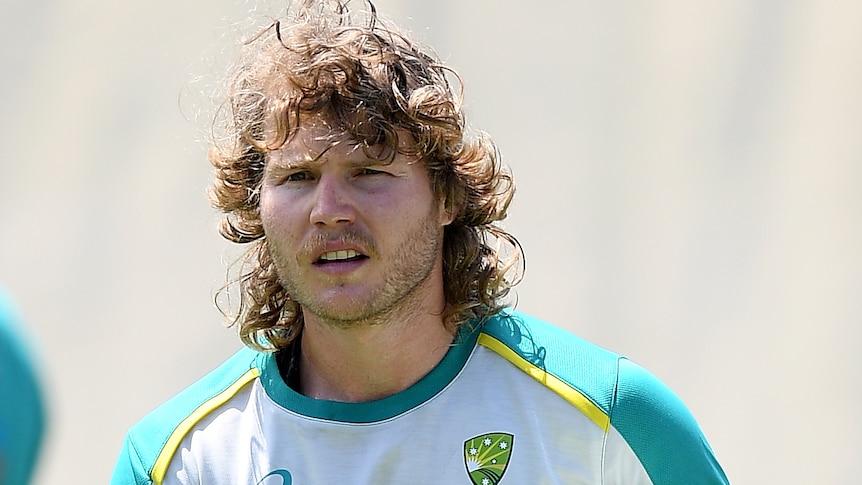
(372, 81)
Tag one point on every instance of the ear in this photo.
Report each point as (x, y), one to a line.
(447, 211)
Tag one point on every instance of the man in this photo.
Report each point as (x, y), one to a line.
(372, 303)
(22, 414)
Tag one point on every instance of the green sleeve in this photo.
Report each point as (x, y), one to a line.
(129, 469)
(661, 430)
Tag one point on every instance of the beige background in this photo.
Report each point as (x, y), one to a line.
(688, 195)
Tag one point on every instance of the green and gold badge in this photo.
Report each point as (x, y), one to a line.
(487, 456)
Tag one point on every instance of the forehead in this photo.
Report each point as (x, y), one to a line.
(313, 137)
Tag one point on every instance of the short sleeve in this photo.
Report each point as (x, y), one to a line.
(129, 469)
(661, 430)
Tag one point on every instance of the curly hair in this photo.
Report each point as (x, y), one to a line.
(372, 81)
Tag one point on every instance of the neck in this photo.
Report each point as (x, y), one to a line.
(364, 362)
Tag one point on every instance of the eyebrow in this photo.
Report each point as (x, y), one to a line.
(307, 160)
(304, 161)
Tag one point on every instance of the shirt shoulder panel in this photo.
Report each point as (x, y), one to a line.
(581, 372)
(615, 393)
(156, 437)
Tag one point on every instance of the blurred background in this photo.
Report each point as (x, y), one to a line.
(688, 195)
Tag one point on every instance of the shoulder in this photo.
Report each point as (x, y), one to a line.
(583, 373)
(205, 394)
(613, 391)
(661, 430)
(151, 443)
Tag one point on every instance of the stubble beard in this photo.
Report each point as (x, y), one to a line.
(407, 270)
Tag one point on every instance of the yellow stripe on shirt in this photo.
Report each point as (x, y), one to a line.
(161, 466)
(569, 393)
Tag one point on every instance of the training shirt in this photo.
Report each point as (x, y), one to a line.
(513, 401)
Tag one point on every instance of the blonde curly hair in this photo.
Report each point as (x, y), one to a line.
(372, 81)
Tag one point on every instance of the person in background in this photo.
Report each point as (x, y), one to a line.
(22, 411)
(380, 346)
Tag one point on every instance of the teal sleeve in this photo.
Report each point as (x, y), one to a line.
(129, 470)
(661, 430)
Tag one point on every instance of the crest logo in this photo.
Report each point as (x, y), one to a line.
(487, 456)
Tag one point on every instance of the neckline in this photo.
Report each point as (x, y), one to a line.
(373, 411)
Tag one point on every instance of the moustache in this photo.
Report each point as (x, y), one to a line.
(317, 242)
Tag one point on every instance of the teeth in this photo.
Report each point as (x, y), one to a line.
(339, 255)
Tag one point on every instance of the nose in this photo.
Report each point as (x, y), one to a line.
(332, 203)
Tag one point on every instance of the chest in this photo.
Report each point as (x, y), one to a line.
(483, 429)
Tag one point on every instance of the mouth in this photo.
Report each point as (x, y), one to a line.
(340, 256)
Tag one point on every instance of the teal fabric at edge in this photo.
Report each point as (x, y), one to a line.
(22, 410)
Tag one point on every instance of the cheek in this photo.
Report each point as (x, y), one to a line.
(406, 215)
(274, 215)
(267, 210)
(394, 210)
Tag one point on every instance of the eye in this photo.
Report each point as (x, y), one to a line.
(371, 171)
(298, 177)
